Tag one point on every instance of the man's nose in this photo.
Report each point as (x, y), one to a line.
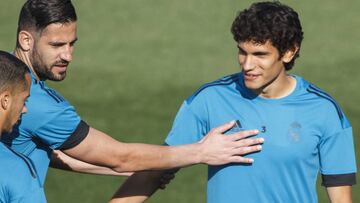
(246, 63)
(24, 109)
(66, 55)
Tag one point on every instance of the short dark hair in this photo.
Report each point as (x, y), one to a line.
(35, 15)
(270, 21)
(12, 71)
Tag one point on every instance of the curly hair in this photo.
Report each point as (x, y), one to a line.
(270, 21)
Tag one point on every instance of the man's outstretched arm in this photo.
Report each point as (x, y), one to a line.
(214, 149)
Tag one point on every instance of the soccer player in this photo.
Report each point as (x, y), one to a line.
(46, 37)
(305, 129)
(18, 182)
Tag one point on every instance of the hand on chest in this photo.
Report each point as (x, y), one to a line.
(288, 131)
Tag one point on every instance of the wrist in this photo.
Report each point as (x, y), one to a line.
(198, 153)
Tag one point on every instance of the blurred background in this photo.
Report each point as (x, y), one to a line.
(136, 61)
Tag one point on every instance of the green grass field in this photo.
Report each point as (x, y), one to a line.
(136, 61)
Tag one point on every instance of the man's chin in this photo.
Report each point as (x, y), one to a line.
(7, 131)
(57, 77)
(251, 86)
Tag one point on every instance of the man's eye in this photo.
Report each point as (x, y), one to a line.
(55, 45)
(241, 52)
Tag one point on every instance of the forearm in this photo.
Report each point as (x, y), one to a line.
(340, 194)
(152, 157)
(100, 149)
(139, 187)
(59, 160)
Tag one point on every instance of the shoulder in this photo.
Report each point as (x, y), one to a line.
(16, 181)
(8, 159)
(43, 96)
(13, 169)
(17, 184)
(326, 104)
(214, 88)
(44, 105)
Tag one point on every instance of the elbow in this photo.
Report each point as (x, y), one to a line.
(132, 158)
(121, 166)
(124, 163)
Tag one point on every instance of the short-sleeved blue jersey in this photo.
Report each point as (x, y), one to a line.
(18, 180)
(304, 132)
(47, 124)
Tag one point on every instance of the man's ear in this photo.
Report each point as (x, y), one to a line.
(5, 100)
(26, 40)
(289, 54)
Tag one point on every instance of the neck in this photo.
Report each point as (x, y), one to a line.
(1, 123)
(280, 87)
(24, 56)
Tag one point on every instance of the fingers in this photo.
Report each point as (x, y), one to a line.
(224, 127)
(243, 134)
(163, 184)
(165, 179)
(240, 159)
(218, 149)
(247, 150)
(249, 142)
(247, 146)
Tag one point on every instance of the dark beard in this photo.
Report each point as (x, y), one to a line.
(43, 72)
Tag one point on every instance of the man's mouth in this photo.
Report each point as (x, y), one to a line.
(61, 67)
(251, 76)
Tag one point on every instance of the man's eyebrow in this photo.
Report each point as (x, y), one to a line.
(75, 40)
(256, 53)
(261, 53)
(240, 49)
(56, 43)
(59, 43)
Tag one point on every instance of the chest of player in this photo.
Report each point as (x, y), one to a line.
(291, 132)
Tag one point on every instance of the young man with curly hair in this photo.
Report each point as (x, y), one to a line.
(304, 128)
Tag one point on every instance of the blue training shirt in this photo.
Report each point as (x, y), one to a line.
(47, 124)
(18, 182)
(305, 132)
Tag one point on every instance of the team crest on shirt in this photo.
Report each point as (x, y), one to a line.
(294, 132)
